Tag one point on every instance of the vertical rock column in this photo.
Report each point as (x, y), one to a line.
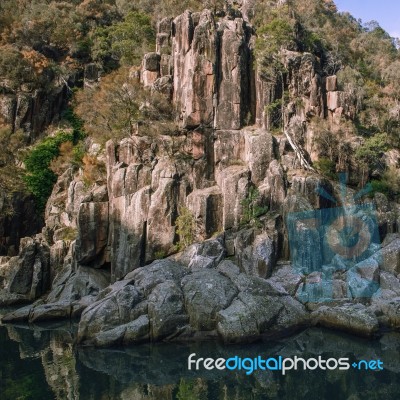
(235, 74)
(129, 191)
(194, 52)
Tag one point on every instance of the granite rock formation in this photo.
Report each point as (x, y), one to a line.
(123, 275)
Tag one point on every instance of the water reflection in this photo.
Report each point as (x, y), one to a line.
(44, 363)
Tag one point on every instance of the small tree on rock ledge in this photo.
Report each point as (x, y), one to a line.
(185, 227)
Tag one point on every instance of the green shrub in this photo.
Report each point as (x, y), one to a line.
(371, 151)
(252, 209)
(185, 227)
(326, 167)
(76, 123)
(69, 234)
(39, 177)
(389, 184)
(160, 254)
(379, 186)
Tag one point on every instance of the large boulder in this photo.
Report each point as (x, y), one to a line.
(147, 304)
(388, 281)
(206, 292)
(389, 257)
(363, 279)
(258, 259)
(252, 315)
(247, 318)
(352, 318)
(116, 308)
(166, 310)
(132, 332)
(207, 254)
(52, 311)
(146, 278)
(287, 278)
(71, 285)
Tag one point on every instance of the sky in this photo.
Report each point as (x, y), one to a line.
(386, 12)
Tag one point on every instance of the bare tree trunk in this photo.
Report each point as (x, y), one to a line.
(300, 154)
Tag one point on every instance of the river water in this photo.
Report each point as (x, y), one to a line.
(43, 363)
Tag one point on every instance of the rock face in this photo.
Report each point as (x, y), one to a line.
(31, 276)
(92, 233)
(33, 111)
(235, 73)
(212, 70)
(110, 254)
(18, 219)
(194, 50)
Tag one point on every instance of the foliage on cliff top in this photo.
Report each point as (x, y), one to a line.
(364, 56)
(124, 42)
(70, 34)
(43, 40)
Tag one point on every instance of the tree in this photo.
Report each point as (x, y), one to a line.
(125, 42)
(391, 77)
(185, 227)
(352, 82)
(118, 104)
(273, 37)
(370, 154)
(15, 68)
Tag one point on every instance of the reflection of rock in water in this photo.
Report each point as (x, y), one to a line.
(31, 342)
(59, 365)
(148, 392)
(56, 350)
(159, 371)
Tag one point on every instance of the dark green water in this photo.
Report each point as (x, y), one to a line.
(44, 364)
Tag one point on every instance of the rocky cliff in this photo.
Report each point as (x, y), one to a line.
(109, 253)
